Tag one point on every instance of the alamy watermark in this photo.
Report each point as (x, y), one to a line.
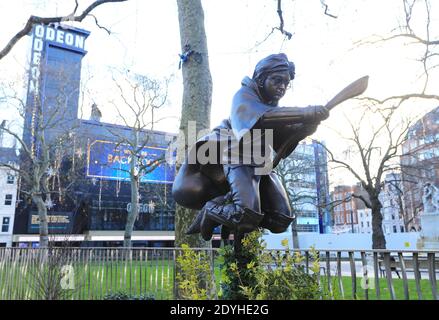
(223, 146)
(368, 278)
(67, 281)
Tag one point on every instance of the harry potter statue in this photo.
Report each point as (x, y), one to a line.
(228, 174)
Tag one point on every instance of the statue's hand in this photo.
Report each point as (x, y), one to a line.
(321, 113)
(316, 114)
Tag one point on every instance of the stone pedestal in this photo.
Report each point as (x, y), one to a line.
(429, 235)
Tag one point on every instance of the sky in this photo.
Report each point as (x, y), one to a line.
(145, 39)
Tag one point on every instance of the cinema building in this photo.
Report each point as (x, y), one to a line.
(92, 211)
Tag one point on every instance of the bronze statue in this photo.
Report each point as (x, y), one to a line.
(233, 193)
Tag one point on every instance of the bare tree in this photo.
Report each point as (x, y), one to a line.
(73, 16)
(417, 29)
(41, 152)
(140, 97)
(378, 152)
(294, 173)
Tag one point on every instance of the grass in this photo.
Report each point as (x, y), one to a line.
(94, 280)
(384, 290)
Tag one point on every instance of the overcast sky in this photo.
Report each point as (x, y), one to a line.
(145, 39)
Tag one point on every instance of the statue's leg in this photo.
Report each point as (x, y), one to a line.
(192, 188)
(275, 205)
(242, 213)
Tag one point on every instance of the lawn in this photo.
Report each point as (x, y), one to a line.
(384, 291)
(154, 278)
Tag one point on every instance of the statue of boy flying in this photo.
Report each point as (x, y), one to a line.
(236, 190)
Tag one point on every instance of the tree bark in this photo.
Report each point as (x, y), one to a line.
(134, 212)
(44, 225)
(197, 100)
(197, 96)
(378, 239)
(294, 234)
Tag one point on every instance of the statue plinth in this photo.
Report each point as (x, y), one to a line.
(429, 235)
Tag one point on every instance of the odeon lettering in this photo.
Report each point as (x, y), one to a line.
(58, 35)
(143, 207)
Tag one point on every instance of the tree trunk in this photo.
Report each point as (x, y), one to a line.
(44, 225)
(197, 96)
(197, 100)
(294, 234)
(378, 239)
(133, 213)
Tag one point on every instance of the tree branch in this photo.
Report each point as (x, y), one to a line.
(46, 20)
(362, 198)
(281, 25)
(402, 98)
(327, 9)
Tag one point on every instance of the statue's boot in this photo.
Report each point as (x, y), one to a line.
(276, 222)
(235, 218)
(195, 226)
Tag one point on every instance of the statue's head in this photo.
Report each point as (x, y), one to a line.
(273, 75)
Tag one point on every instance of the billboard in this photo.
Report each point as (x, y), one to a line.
(112, 161)
(58, 222)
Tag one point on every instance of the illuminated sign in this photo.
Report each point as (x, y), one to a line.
(58, 35)
(148, 208)
(57, 221)
(109, 160)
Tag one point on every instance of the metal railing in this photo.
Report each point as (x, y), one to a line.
(94, 273)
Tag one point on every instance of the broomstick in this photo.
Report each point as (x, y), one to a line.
(354, 89)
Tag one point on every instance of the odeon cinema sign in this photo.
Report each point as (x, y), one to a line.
(112, 161)
(44, 38)
(73, 39)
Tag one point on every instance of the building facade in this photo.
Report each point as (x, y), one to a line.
(305, 177)
(352, 216)
(419, 164)
(90, 175)
(364, 220)
(8, 195)
(391, 198)
(345, 208)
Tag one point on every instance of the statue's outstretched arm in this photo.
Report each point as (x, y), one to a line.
(292, 115)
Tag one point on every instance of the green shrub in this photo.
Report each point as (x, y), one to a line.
(256, 273)
(236, 275)
(194, 276)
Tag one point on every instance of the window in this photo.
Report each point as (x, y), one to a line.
(10, 179)
(394, 229)
(5, 224)
(368, 224)
(307, 228)
(8, 200)
(362, 224)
